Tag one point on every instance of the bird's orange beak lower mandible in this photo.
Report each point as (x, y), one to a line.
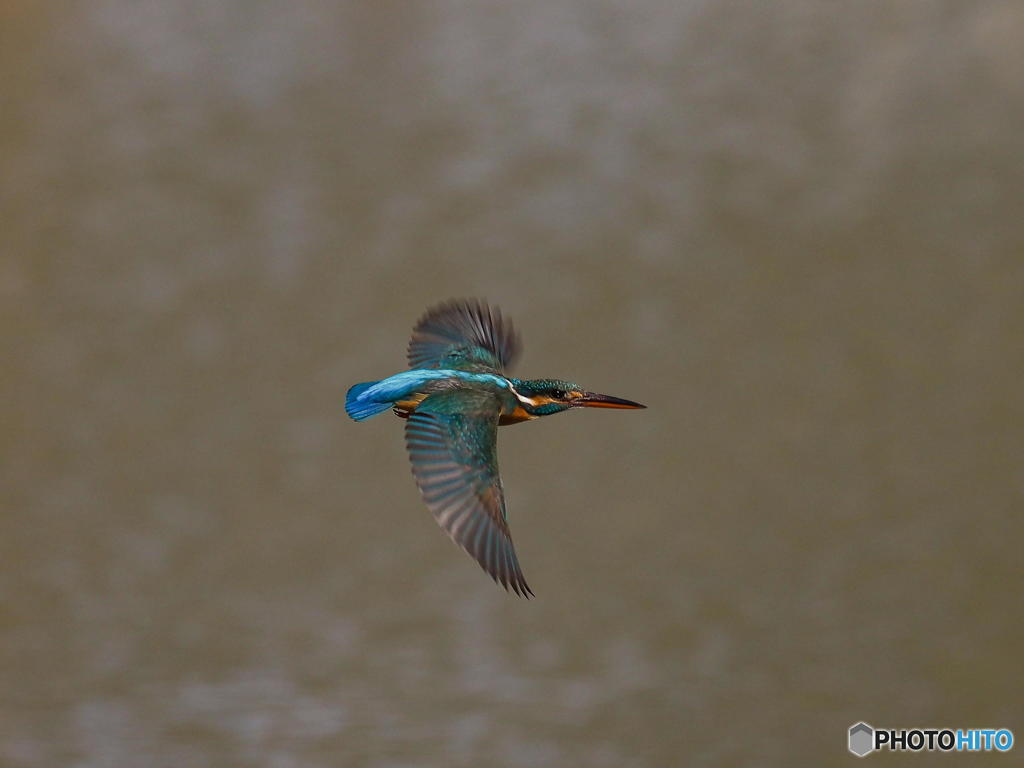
(594, 400)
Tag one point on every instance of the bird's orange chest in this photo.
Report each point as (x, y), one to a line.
(403, 408)
(516, 416)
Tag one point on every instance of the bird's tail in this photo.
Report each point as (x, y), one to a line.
(360, 408)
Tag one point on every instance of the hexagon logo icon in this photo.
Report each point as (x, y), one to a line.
(861, 739)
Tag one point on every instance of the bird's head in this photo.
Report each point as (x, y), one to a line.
(543, 397)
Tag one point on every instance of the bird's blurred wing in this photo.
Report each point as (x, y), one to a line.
(463, 335)
(452, 442)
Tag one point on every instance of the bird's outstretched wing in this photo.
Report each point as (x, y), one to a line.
(452, 442)
(465, 335)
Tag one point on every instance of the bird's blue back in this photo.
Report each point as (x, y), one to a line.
(373, 397)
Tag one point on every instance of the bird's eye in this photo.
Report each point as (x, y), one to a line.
(558, 394)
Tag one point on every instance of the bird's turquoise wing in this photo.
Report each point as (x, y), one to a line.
(452, 442)
(465, 336)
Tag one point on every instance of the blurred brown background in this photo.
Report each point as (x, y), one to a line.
(793, 229)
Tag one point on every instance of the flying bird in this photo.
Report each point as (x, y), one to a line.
(454, 397)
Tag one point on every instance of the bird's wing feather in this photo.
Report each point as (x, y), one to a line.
(452, 443)
(463, 335)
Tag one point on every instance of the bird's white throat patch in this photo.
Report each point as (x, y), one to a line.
(521, 397)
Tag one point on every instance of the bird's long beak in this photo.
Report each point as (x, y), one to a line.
(594, 400)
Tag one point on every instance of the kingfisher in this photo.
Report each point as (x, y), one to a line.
(454, 397)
